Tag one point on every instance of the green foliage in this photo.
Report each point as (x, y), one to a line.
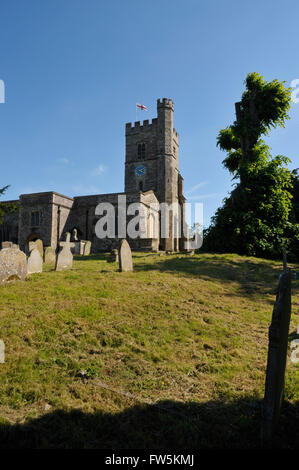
(6, 208)
(2, 191)
(295, 194)
(258, 217)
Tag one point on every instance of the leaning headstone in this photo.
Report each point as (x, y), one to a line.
(35, 262)
(64, 258)
(125, 257)
(49, 255)
(87, 247)
(38, 244)
(277, 356)
(13, 265)
(113, 256)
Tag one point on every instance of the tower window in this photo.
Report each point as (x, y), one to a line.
(141, 151)
(141, 185)
(35, 222)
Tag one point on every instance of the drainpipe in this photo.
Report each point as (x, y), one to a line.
(58, 227)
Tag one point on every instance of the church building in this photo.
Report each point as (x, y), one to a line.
(151, 177)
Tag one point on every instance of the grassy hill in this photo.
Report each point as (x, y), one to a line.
(171, 355)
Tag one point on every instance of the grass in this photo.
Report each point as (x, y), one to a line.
(171, 355)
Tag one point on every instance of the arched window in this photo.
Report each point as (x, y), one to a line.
(141, 151)
(140, 185)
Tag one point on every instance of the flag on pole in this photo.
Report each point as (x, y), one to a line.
(141, 106)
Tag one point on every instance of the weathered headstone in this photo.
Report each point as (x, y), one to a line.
(87, 247)
(113, 256)
(49, 255)
(78, 247)
(38, 244)
(64, 258)
(34, 262)
(7, 244)
(125, 257)
(277, 356)
(75, 234)
(13, 265)
(10, 245)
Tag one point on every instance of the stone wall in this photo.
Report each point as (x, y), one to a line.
(47, 205)
(83, 215)
(61, 210)
(160, 162)
(161, 154)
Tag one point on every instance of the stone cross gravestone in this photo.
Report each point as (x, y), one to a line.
(64, 258)
(35, 262)
(13, 265)
(49, 255)
(277, 356)
(125, 257)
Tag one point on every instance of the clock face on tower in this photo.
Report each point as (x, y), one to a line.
(140, 170)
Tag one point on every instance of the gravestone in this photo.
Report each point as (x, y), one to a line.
(87, 247)
(113, 256)
(7, 244)
(35, 262)
(39, 245)
(78, 247)
(13, 265)
(75, 234)
(10, 245)
(277, 356)
(125, 257)
(50, 255)
(64, 258)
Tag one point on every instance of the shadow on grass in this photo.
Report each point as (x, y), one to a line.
(177, 426)
(93, 257)
(251, 276)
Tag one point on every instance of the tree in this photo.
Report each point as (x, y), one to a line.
(295, 194)
(256, 219)
(6, 208)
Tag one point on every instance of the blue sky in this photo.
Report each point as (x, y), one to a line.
(74, 69)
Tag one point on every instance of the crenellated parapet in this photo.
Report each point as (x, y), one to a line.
(165, 103)
(137, 126)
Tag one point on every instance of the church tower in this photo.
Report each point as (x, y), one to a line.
(152, 161)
